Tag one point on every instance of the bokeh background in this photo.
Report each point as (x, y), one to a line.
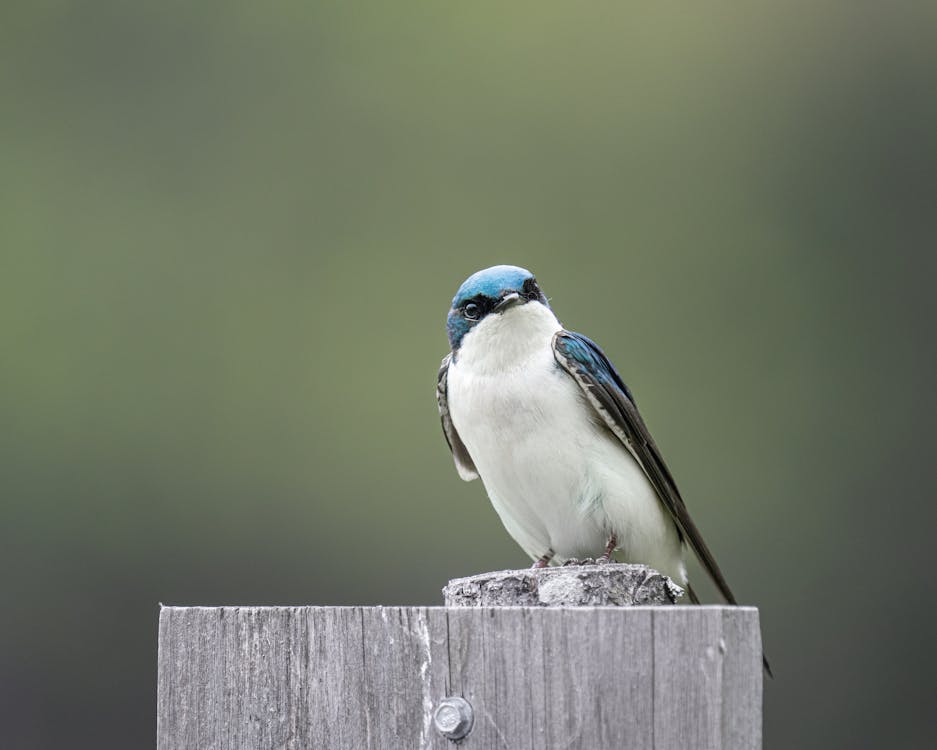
(230, 232)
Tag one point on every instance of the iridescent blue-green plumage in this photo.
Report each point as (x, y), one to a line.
(542, 419)
(588, 354)
(491, 282)
(483, 289)
(605, 390)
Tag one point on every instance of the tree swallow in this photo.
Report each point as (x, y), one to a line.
(542, 416)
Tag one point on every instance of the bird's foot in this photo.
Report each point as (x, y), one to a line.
(578, 561)
(544, 560)
(609, 548)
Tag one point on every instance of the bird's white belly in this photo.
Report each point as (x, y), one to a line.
(558, 480)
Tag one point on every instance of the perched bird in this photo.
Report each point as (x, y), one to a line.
(542, 416)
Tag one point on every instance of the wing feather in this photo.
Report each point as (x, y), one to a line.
(610, 397)
(463, 461)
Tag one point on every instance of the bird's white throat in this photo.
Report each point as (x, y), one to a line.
(508, 340)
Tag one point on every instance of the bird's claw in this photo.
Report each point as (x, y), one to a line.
(544, 560)
(583, 561)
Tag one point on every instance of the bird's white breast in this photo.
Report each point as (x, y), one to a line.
(558, 479)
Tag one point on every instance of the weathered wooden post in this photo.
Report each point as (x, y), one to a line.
(580, 657)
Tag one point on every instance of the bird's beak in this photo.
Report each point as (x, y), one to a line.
(506, 301)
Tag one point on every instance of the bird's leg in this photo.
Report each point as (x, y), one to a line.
(544, 559)
(609, 548)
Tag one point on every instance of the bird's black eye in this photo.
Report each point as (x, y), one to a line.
(471, 311)
(531, 291)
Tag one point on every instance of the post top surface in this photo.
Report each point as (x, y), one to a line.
(609, 584)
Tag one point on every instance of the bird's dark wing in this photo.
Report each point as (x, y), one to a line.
(610, 397)
(463, 461)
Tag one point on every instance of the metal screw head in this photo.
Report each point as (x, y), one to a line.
(454, 717)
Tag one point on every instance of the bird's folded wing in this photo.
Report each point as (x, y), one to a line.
(610, 397)
(463, 461)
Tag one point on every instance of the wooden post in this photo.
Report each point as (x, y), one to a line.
(534, 676)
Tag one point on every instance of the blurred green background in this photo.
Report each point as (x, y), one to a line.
(230, 234)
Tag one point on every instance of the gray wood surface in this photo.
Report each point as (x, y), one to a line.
(609, 584)
(537, 677)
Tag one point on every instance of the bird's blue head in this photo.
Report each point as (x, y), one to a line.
(486, 292)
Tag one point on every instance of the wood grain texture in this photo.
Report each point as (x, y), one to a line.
(609, 584)
(234, 678)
